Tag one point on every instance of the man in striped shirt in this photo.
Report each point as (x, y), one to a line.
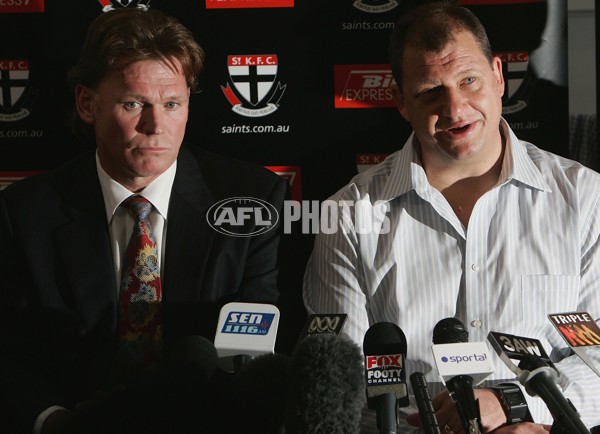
(464, 221)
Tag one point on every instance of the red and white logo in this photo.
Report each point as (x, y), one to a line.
(14, 77)
(252, 89)
(363, 86)
(244, 4)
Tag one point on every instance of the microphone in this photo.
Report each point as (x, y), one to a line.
(325, 386)
(423, 398)
(538, 375)
(244, 331)
(384, 347)
(191, 359)
(457, 360)
(258, 394)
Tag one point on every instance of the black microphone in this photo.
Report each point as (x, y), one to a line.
(423, 397)
(384, 347)
(257, 394)
(326, 386)
(539, 379)
(452, 331)
(538, 375)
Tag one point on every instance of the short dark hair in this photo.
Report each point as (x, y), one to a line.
(429, 27)
(119, 38)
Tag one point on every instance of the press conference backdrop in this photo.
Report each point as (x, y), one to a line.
(315, 103)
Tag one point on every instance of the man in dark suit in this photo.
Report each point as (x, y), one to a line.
(63, 234)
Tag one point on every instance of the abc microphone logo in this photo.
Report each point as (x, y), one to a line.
(384, 369)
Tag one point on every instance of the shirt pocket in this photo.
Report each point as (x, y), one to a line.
(542, 295)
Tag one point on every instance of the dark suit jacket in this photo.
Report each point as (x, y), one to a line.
(58, 297)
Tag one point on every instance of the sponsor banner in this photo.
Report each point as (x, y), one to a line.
(243, 4)
(293, 174)
(253, 90)
(21, 6)
(7, 178)
(363, 86)
(364, 161)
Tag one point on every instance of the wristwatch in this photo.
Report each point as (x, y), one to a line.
(513, 402)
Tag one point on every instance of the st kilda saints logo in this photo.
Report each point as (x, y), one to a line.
(375, 6)
(109, 5)
(16, 96)
(518, 83)
(253, 89)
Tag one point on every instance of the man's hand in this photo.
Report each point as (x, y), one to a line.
(492, 414)
(523, 428)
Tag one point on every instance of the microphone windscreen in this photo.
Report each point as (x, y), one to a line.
(191, 359)
(450, 331)
(326, 386)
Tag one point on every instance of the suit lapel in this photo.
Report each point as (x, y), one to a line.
(189, 238)
(84, 244)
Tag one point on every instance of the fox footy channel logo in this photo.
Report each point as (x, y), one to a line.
(242, 216)
(386, 369)
(248, 323)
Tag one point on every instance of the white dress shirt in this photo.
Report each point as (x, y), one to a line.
(120, 223)
(531, 248)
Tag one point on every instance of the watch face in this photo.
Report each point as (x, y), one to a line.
(514, 399)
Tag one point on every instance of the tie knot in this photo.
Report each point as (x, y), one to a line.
(138, 207)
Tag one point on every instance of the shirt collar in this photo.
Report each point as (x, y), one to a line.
(158, 192)
(407, 173)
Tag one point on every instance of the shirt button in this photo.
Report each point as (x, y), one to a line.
(474, 267)
(476, 323)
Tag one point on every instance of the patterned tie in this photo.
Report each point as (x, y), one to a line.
(139, 350)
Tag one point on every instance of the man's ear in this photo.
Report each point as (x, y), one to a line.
(497, 68)
(400, 101)
(84, 100)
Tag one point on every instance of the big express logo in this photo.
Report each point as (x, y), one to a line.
(253, 90)
(363, 86)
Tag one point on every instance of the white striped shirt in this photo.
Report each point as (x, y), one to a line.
(532, 248)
